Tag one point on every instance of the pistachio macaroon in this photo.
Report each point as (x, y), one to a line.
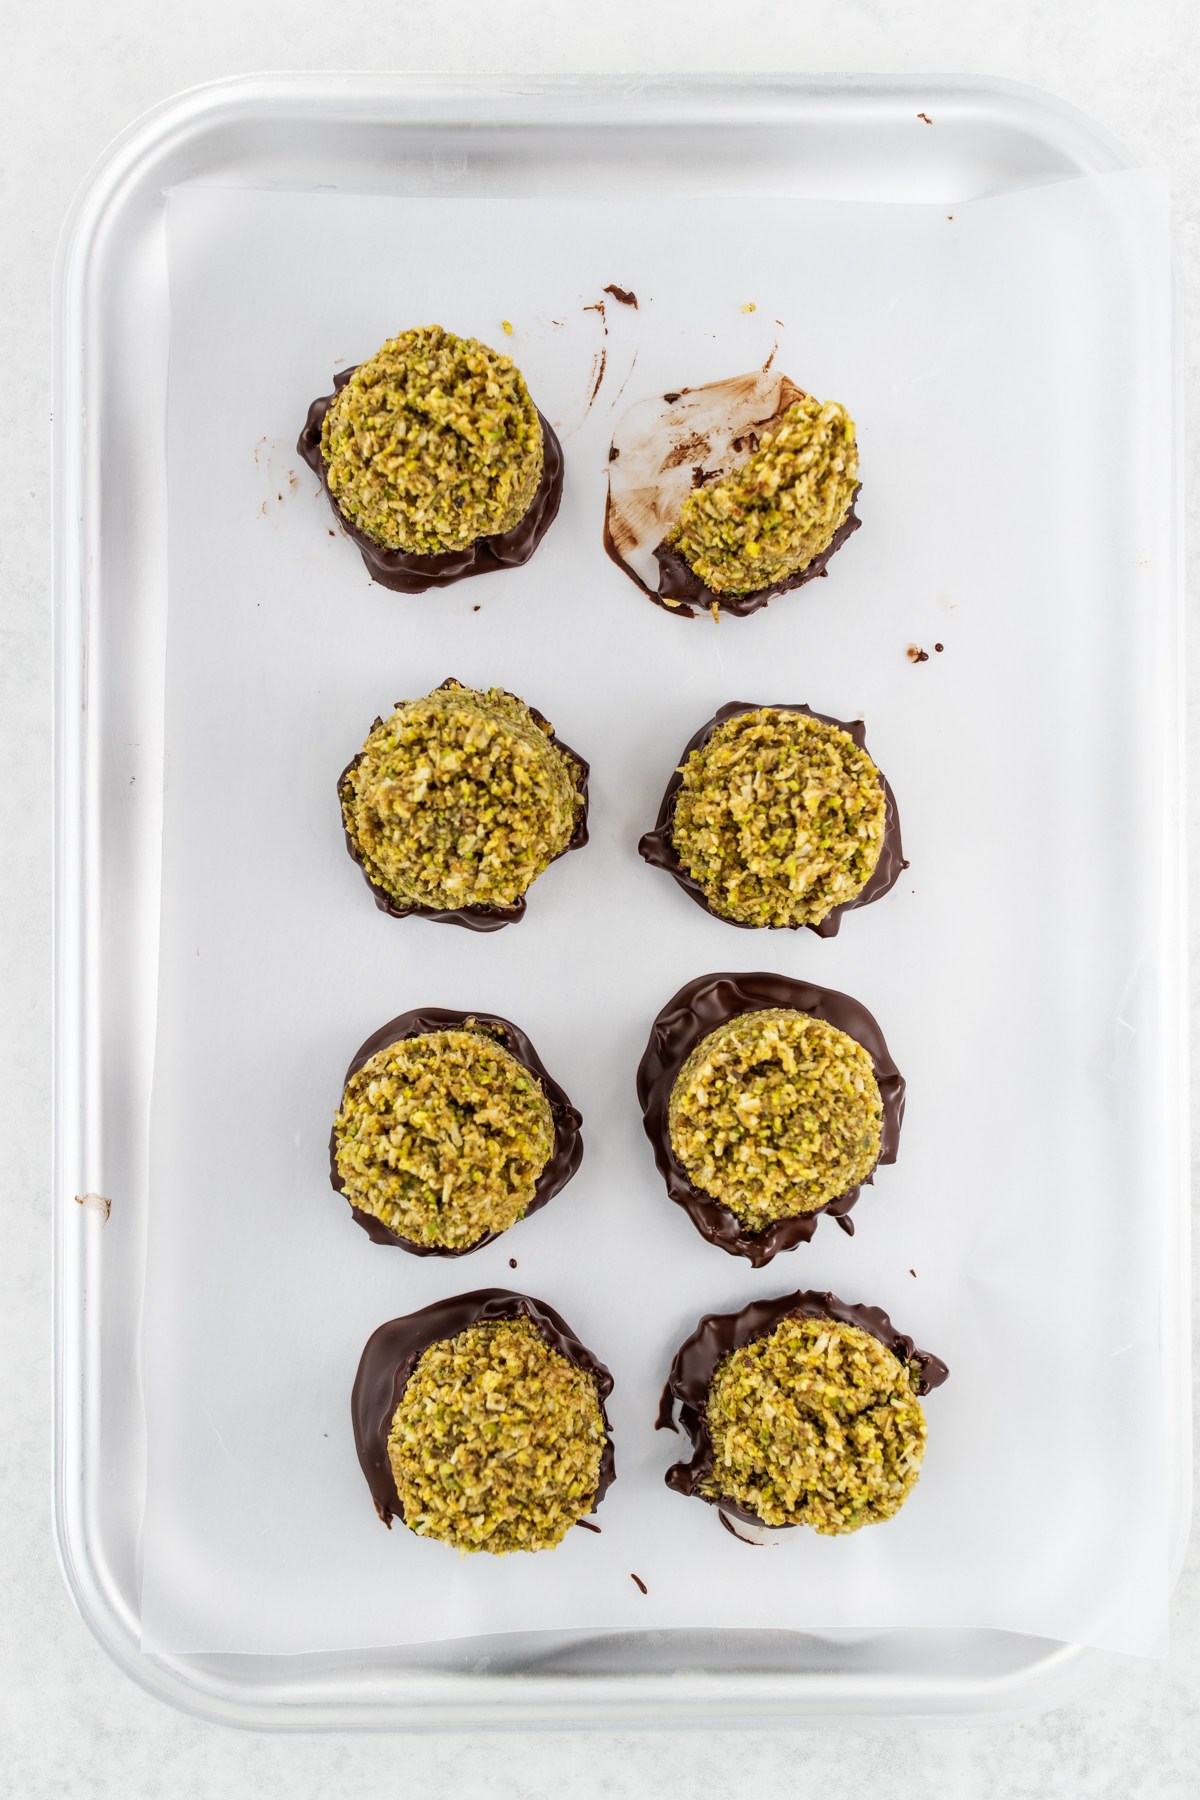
(769, 517)
(497, 1441)
(775, 1113)
(780, 817)
(442, 1137)
(460, 799)
(817, 1423)
(433, 443)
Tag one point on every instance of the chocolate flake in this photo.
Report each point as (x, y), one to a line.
(626, 296)
(640, 1583)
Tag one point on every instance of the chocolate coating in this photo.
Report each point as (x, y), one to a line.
(658, 849)
(406, 574)
(678, 581)
(696, 1010)
(565, 1156)
(697, 1360)
(471, 918)
(392, 1353)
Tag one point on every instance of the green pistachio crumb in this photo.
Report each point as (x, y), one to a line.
(780, 818)
(460, 799)
(769, 517)
(776, 1113)
(443, 1137)
(432, 443)
(817, 1423)
(496, 1444)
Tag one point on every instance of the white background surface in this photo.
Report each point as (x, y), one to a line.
(70, 81)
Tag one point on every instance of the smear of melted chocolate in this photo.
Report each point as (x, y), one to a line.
(566, 1153)
(471, 918)
(407, 574)
(657, 847)
(697, 1360)
(393, 1352)
(626, 296)
(700, 1008)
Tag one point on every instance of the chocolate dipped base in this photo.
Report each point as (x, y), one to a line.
(698, 1009)
(698, 1359)
(680, 590)
(406, 574)
(657, 847)
(393, 1352)
(565, 1156)
(471, 918)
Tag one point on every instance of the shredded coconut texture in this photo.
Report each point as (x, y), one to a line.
(460, 799)
(433, 443)
(776, 1113)
(780, 818)
(442, 1137)
(496, 1444)
(768, 518)
(815, 1424)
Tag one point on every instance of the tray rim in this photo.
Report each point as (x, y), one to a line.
(203, 1686)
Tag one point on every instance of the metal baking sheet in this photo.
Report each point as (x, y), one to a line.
(833, 140)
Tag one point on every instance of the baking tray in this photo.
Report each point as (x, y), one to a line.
(818, 137)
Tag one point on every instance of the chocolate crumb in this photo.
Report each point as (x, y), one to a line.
(670, 400)
(916, 654)
(512, 1262)
(926, 118)
(474, 609)
(588, 1526)
(640, 1583)
(939, 647)
(625, 295)
(613, 454)
(331, 534)
(913, 1273)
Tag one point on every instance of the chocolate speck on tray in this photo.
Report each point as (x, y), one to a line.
(939, 647)
(626, 296)
(916, 654)
(640, 1583)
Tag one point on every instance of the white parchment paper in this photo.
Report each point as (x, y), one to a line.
(1008, 369)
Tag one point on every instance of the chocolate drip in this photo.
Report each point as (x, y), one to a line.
(696, 1010)
(565, 1155)
(679, 582)
(658, 849)
(697, 1360)
(406, 574)
(471, 918)
(392, 1353)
